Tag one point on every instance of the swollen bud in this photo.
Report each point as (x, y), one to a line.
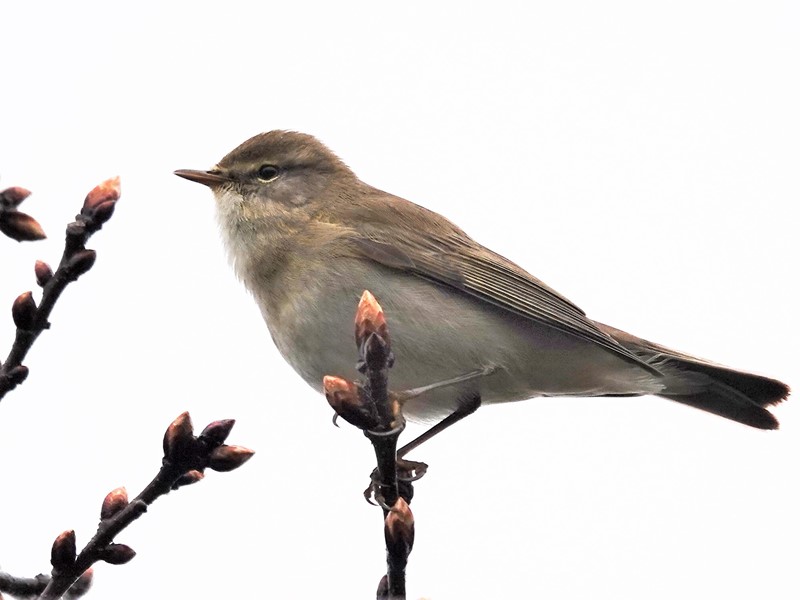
(114, 502)
(228, 458)
(24, 311)
(63, 554)
(178, 439)
(81, 585)
(18, 374)
(43, 273)
(399, 528)
(117, 554)
(217, 432)
(383, 589)
(80, 262)
(339, 391)
(188, 478)
(348, 400)
(370, 319)
(13, 196)
(103, 212)
(21, 227)
(108, 191)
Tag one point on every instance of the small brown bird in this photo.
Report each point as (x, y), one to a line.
(307, 237)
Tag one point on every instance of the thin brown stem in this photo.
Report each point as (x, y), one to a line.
(108, 529)
(31, 587)
(23, 586)
(186, 456)
(375, 360)
(75, 261)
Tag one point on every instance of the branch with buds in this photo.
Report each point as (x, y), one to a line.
(31, 587)
(76, 260)
(370, 406)
(186, 457)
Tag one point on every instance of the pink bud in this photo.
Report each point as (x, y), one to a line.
(399, 527)
(348, 400)
(117, 554)
(21, 227)
(179, 438)
(80, 262)
(114, 502)
(370, 319)
(108, 191)
(24, 311)
(13, 196)
(63, 554)
(81, 585)
(218, 431)
(43, 273)
(228, 458)
(188, 478)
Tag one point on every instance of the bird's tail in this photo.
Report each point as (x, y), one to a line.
(720, 390)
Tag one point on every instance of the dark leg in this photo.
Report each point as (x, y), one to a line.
(464, 410)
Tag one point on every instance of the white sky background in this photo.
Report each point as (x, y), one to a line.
(643, 161)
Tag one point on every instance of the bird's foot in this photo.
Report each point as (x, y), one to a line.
(408, 471)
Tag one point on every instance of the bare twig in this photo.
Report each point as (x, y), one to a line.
(75, 261)
(31, 587)
(186, 456)
(378, 413)
(398, 531)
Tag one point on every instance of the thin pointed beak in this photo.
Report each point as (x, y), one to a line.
(209, 178)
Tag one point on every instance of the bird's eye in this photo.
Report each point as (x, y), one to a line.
(267, 172)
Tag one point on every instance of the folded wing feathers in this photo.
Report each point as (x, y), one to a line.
(488, 276)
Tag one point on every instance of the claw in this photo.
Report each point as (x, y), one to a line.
(384, 434)
(373, 492)
(369, 494)
(410, 470)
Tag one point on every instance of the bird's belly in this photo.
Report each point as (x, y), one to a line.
(438, 333)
